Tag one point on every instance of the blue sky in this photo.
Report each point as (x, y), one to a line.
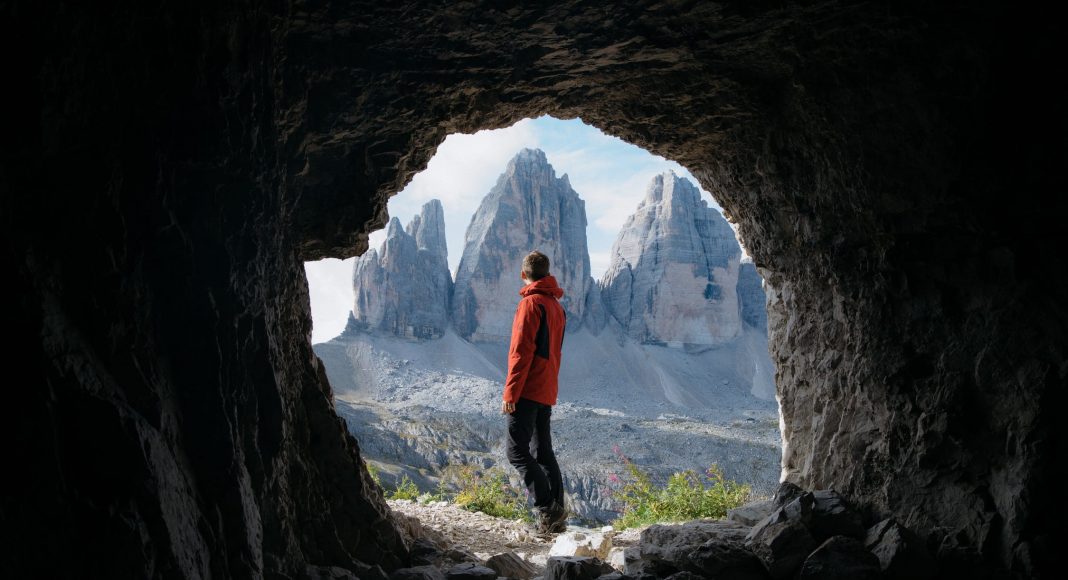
(608, 173)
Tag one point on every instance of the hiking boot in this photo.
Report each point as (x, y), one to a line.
(553, 520)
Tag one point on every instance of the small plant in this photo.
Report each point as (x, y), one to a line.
(685, 496)
(488, 492)
(375, 473)
(441, 493)
(406, 489)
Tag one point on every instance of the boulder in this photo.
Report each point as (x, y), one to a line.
(786, 493)
(674, 542)
(470, 571)
(417, 573)
(751, 513)
(832, 515)
(618, 557)
(425, 552)
(582, 543)
(901, 553)
(726, 561)
(797, 509)
(576, 568)
(782, 546)
(329, 573)
(840, 558)
(512, 566)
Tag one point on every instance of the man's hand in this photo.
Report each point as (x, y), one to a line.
(508, 408)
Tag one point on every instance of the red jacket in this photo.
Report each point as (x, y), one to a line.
(537, 336)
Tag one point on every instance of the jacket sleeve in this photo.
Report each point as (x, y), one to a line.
(521, 350)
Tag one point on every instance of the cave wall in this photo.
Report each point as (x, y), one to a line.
(895, 171)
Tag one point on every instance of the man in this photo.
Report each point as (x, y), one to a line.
(530, 390)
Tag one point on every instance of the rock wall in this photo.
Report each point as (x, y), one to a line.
(895, 170)
(403, 289)
(529, 209)
(674, 272)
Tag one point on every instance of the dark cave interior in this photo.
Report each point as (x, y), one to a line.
(897, 172)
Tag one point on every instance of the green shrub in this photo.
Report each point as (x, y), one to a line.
(488, 492)
(406, 489)
(375, 475)
(685, 497)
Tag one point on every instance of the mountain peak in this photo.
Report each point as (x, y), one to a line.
(428, 228)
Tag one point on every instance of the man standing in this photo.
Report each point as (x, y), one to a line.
(530, 390)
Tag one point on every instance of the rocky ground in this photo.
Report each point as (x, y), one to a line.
(485, 536)
(417, 410)
(796, 534)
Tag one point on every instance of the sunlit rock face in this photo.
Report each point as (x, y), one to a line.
(403, 288)
(674, 272)
(530, 208)
(751, 297)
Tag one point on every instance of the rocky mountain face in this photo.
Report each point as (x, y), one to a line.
(403, 288)
(673, 277)
(529, 208)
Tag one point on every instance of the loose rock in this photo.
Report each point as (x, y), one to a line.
(901, 553)
(751, 513)
(840, 558)
(833, 516)
(782, 546)
(470, 571)
(582, 543)
(417, 573)
(726, 561)
(575, 568)
(512, 566)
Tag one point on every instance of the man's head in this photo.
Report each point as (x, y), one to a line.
(535, 266)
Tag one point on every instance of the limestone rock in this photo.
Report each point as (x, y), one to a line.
(833, 516)
(751, 297)
(798, 509)
(751, 513)
(840, 558)
(512, 566)
(403, 288)
(786, 493)
(674, 272)
(528, 209)
(673, 543)
(470, 571)
(782, 546)
(726, 561)
(417, 573)
(575, 568)
(901, 553)
(582, 543)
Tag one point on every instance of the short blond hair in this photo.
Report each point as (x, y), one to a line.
(535, 266)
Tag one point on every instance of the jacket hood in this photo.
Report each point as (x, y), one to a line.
(546, 285)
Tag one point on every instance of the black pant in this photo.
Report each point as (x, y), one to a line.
(530, 450)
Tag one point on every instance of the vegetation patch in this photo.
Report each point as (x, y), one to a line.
(685, 496)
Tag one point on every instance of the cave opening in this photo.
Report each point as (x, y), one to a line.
(668, 338)
(171, 167)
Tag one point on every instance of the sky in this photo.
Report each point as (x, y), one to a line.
(608, 173)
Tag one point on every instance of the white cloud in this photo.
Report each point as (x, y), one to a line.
(330, 290)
